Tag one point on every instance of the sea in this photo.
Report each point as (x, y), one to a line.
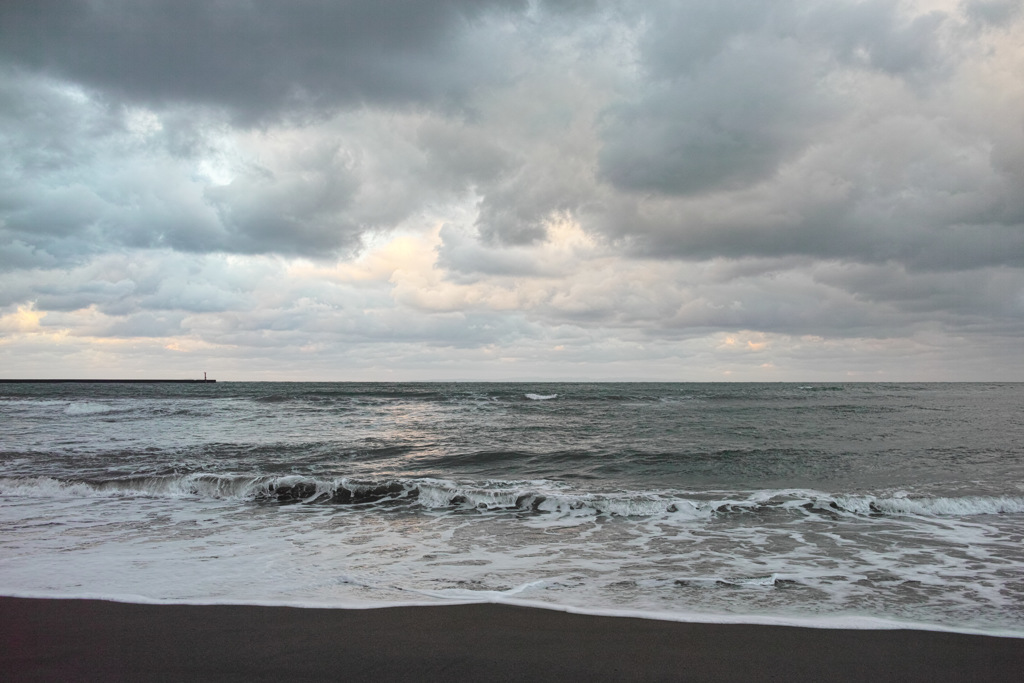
(860, 505)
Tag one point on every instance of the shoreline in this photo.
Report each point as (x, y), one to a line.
(83, 639)
(834, 623)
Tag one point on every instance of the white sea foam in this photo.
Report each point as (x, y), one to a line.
(31, 403)
(551, 498)
(86, 408)
(541, 397)
(936, 507)
(729, 568)
(192, 485)
(45, 487)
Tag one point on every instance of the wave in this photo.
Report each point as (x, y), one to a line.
(86, 408)
(540, 497)
(274, 398)
(933, 507)
(6, 401)
(541, 397)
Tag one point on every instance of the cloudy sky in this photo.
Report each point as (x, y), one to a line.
(511, 190)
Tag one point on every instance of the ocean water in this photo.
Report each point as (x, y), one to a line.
(821, 504)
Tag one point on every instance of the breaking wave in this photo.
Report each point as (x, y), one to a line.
(86, 408)
(534, 497)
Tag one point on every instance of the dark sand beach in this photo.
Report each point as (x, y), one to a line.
(99, 640)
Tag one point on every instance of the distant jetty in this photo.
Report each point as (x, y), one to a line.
(107, 381)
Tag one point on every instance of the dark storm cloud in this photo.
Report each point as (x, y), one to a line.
(255, 58)
(835, 130)
(79, 177)
(732, 89)
(722, 98)
(853, 230)
(727, 124)
(625, 176)
(294, 63)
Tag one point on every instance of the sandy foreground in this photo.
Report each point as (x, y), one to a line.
(100, 640)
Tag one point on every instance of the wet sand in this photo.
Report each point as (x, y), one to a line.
(100, 640)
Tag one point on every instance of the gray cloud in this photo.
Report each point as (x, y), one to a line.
(302, 209)
(876, 35)
(992, 12)
(80, 180)
(467, 258)
(729, 123)
(832, 130)
(255, 58)
(731, 90)
(563, 181)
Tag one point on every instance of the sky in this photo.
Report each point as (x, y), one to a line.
(795, 190)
